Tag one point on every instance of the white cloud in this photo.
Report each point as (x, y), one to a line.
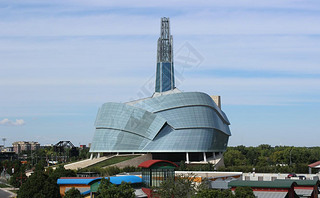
(7, 122)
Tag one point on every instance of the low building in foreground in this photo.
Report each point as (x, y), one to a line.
(88, 186)
(280, 188)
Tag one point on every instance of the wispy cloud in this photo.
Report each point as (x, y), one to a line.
(67, 57)
(7, 122)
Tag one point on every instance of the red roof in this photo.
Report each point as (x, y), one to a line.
(147, 164)
(314, 164)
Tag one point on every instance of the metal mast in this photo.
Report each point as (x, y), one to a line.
(165, 70)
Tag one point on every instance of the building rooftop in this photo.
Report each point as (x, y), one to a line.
(87, 180)
(263, 184)
(149, 163)
(315, 165)
(303, 182)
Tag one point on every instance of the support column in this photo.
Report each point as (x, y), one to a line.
(91, 156)
(214, 155)
(187, 158)
(204, 157)
(98, 155)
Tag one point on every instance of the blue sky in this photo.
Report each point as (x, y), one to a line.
(61, 60)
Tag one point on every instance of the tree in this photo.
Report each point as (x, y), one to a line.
(203, 191)
(39, 185)
(108, 190)
(244, 192)
(18, 175)
(43, 184)
(84, 153)
(62, 172)
(17, 179)
(73, 193)
(180, 187)
(234, 158)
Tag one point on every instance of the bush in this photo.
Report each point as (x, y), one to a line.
(108, 190)
(130, 169)
(244, 192)
(73, 193)
(181, 187)
(112, 170)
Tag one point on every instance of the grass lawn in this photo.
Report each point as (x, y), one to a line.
(113, 160)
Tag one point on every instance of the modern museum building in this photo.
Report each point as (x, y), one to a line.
(171, 124)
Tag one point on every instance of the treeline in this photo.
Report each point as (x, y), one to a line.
(49, 153)
(265, 158)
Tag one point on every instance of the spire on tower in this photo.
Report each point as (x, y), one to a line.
(165, 71)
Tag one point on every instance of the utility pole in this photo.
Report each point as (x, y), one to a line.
(290, 156)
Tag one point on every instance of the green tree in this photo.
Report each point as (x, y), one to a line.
(181, 187)
(73, 193)
(43, 184)
(84, 153)
(108, 190)
(18, 174)
(17, 179)
(234, 158)
(62, 172)
(244, 192)
(39, 185)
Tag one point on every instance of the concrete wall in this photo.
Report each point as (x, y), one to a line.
(217, 100)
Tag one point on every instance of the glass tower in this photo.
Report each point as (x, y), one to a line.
(165, 74)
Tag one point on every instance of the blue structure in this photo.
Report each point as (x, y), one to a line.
(87, 181)
(170, 123)
(90, 185)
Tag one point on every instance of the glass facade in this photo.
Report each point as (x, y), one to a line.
(179, 122)
(183, 99)
(126, 118)
(154, 172)
(154, 177)
(164, 77)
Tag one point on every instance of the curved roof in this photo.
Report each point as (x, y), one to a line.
(89, 180)
(176, 122)
(119, 179)
(149, 163)
(183, 99)
(75, 180)
(194, 117)
(188, 140)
